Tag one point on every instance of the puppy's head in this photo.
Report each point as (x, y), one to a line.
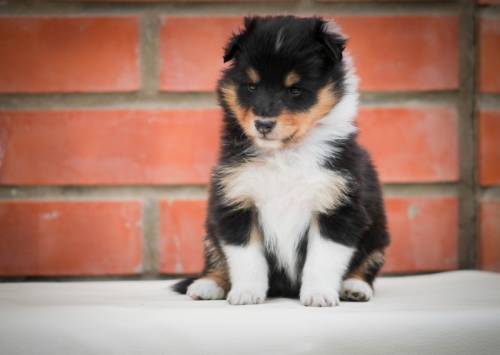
(286, 74)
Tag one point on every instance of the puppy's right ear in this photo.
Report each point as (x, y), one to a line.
(233, 48)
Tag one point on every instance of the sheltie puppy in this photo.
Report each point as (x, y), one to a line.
(295, 206)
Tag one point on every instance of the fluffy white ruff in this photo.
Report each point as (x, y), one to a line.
(356, 290)
(205, 289)
(325, 265)
(248, 272)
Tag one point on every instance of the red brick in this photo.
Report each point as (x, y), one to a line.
(410, 53)
(411, 144)
(182, 231)
(77, 54)
(489, 55)
(489, 245)
(88, 147)
(489, 148)
(70, 238)
(397, 53)
(191, 51)
(424, 232)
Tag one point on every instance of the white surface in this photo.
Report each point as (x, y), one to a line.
(450, 313)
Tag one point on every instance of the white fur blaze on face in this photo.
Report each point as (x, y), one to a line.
(248, 273)
(205, 289)
(356, 290)
(326, 263)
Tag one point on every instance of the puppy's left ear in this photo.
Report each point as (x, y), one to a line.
(333, 41)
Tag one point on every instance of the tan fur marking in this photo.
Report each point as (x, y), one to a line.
(221, 279)
(291, 79)
(375, 258)
(253, 75)
(255, 236)
(230, 97)
(299, 124)
(216, 265)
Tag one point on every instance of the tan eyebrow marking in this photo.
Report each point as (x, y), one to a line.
(253, 75)
(292, 78)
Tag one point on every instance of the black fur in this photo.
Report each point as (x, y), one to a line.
(181, 286)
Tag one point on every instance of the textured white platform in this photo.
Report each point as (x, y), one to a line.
(449, 313)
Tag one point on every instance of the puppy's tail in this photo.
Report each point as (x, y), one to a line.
(181, 286)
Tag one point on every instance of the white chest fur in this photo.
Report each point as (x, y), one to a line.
(287, 189)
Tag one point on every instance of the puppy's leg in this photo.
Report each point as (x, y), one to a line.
(326, 263)
(248, 272)
(358, 283)
(214, 283)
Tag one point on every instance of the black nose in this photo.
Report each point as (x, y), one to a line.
(265, 126)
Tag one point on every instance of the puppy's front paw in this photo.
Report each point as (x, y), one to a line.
(239, 296)
(312, 297)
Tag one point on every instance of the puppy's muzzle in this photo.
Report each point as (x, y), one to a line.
(265, 126)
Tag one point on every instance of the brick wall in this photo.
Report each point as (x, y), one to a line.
(488, 115)
(109, 127)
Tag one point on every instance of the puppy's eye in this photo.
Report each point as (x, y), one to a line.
(251, 87)
(295, 91)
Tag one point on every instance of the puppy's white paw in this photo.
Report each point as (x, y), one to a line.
(312, 297)
(240, 296)
(205, 289)
(356, 290)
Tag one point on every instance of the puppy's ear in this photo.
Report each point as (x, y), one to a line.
(333, 41)
(233, 47)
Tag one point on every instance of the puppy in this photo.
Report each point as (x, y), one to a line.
(295, 206)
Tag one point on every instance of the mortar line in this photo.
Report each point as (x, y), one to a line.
(95, 193)
(138, 100)
(149, 53)
(492, 11)
(181, 192)
(424, 190)
(488, 102)
(490, 193)
(467, 132)
(150, 98)
(151, 237)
